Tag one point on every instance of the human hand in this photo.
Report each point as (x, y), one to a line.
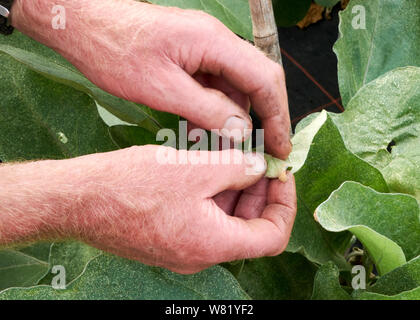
(180, 61)
(159, 56)
(180, 216)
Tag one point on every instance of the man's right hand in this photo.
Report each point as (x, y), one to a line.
(181, 61)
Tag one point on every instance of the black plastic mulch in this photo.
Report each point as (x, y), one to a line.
(311, 68)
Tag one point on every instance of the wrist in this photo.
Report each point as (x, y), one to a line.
(41, 200)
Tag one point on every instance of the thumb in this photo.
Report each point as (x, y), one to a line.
(206, 107)
(229, 169)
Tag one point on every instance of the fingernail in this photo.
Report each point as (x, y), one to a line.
(255, 163)
(236, 128)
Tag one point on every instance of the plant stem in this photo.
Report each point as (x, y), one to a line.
(266, 36)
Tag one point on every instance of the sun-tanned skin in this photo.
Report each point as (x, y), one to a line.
(182, 217)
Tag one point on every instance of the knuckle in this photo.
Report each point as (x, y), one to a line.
(133, 151)
(137, 152)
(206, 20)
(210, 28)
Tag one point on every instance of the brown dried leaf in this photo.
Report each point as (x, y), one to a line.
(314, 15)
(344, 4)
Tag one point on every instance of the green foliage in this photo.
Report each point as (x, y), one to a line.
(404, 278)
(234, 14)
(127, 136)
(301, 141)
(109, 277)
(327, 166)
(372, 217)
(73, 256)
(52, 66)
(47, 120)
(327, 3)
(327, 285)
(389, 40)
(406, 295)
(285, 277)
(23, 267)
(290, 12)
(383, 113)
(345, 165)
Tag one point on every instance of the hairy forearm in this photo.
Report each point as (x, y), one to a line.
(39, 200)
(90, 27)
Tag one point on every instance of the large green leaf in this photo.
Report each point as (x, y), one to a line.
(327, 285)
(390, 40)
(109, 277)
(383, 113)
(73, 256)
(41, 119)
(306, 121)
(288, 276)
(302, 141)
(127, 136)
(406, 295)
(404, 278)
(328, 164)
(23, 267)
(235, 14)
(373, 218)
(50, 64)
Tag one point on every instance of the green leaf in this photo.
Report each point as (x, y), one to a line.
(301, 142)
(373, 218)
(51, 65)
(47, 120)
(328, 165)
(288, 276)
(73, 256)
(40, 250)
(109, 277)
(404, 278)
(406, 295)
(235, 14)
(306, 121)
(23, 267)
(390, 40)
(289, 12)
(327, 3)
(127, 136)
(327, 285)
(383, 113)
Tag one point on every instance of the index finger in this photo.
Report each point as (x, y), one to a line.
(263, 80)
